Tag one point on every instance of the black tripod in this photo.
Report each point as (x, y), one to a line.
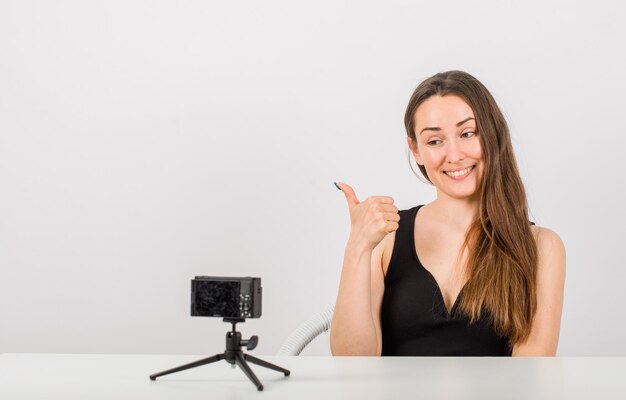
(233, 355)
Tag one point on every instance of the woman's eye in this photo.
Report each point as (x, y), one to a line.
(433, 142)
(468, 134)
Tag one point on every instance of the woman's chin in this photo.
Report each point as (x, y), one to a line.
(469, 194)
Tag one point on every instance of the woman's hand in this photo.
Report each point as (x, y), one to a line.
(371, 220)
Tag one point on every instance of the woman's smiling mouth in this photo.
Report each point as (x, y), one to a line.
(459, 173)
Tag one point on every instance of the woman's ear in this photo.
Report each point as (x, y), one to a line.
(413, 146)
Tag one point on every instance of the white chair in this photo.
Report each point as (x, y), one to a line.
(306, 332)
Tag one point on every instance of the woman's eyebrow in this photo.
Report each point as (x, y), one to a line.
(436, 128)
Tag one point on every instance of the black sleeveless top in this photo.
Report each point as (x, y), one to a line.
(414, 317)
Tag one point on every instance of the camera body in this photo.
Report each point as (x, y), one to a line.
(226, 297)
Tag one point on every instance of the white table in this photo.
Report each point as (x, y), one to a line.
(87, 376)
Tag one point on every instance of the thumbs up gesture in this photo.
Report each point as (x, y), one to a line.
(372, 219)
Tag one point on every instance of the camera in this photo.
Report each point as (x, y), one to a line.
(226, 297)
(234, 300)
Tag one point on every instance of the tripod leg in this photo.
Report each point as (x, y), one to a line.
(194, 364)
(265, 364)
(246, 369)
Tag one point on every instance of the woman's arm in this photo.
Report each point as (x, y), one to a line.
(355, 328)
(544, 334)
(356, 321)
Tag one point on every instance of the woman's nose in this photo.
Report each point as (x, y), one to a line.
(455, 152)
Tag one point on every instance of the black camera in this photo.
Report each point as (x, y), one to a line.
(226, 297)
(234, 300)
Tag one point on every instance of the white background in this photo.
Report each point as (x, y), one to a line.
(145, 142)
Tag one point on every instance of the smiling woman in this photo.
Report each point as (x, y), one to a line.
(466, 275)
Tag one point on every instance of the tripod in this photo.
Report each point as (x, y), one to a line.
(233, 355)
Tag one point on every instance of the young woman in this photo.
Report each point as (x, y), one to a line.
(467, 274)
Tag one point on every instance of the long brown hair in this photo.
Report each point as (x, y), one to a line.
(502, 252)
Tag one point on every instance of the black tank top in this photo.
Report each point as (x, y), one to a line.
(414, 318)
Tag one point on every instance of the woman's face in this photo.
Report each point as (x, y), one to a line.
(448, 146)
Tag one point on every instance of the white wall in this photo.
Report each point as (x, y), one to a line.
(145, 142)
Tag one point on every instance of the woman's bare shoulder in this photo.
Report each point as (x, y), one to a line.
(551, 250)
(547, 239)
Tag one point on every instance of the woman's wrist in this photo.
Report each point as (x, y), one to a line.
(357, 248)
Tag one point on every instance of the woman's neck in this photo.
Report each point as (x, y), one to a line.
(459, 212)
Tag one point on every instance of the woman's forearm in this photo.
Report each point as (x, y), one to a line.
(353, 331)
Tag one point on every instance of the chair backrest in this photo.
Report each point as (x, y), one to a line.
(306, 332)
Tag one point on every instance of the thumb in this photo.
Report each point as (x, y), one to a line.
(349, 192)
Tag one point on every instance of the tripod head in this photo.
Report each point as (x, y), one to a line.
(234, 342)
